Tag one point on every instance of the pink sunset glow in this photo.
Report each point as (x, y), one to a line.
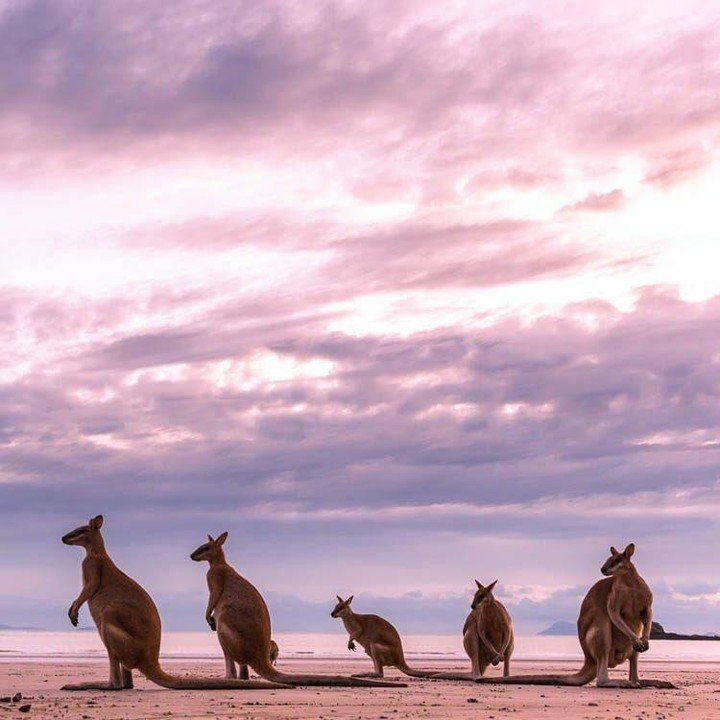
(362, 274)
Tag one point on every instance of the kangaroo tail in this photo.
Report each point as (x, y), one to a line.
(405, 668)
(583, 677)
(157, 675)
(267, 671)
(450, 675)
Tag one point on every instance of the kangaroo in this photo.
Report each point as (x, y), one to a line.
(613, 626)
(487, 635)
(380, 640)
(274, 652)
(128, 622)
(239, 615)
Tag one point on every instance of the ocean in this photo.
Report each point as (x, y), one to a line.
(84, 645)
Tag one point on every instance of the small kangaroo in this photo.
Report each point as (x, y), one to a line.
(239, 615)
(380, 640)
(487, 635)
(613, 626)
(128, 622)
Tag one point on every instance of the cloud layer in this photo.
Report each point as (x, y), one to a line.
(403, 296)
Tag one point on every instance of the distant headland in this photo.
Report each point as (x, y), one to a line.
(658, 632)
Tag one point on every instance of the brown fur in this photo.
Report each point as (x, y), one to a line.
(128, 622)
(239, 615)
(380, 640)
(613, 626)
(487, 635)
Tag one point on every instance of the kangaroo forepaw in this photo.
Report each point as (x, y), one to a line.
(73, 615)
(641, 645)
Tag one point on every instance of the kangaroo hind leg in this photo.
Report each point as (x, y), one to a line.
(116, 681)
(230, 669)
(471, 643)
(127, 679)
(378, 672)
(603, 675)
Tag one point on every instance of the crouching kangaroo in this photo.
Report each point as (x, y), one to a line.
(487, 635)
(613, 626)
(128, 622)
(380, 640)
(239, 615)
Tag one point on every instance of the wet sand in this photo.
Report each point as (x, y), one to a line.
(697, 696)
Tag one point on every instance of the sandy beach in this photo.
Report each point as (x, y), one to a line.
(697, 696)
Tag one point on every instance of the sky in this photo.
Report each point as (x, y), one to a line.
(399, 294)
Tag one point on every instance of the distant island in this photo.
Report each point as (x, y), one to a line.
(658, 632)
(560, 627)
(13, 627)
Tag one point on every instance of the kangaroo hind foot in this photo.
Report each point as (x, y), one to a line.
(95, 686)
(367, 675)
(618, 684)
(662, 684)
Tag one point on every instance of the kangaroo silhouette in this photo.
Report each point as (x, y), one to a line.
(128, 622)
(613, 626)
(239, 615)
(380, 640)
(487, 635)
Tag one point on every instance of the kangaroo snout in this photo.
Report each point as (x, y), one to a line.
(72, 537)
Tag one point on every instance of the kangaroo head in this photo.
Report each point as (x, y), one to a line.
(618, 562)
(483, 593)
(342, 608)
(85, 534)
(211, 550)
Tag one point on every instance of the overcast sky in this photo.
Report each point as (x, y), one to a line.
(399, 294)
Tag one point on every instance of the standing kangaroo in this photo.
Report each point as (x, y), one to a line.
(487, 635)
(380, 640)
(239, 615)
(613, 626)
(128, 622)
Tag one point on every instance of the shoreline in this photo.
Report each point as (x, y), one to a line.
(8, 657)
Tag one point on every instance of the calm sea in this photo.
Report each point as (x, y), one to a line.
(29, 646)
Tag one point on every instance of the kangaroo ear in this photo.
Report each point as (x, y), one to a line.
(221, 538)
(491, 586)
(210, 538)
(613, 551)
(349, 600)
(339, 598)
(96, 523)
(479, 585)
(630, 550)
